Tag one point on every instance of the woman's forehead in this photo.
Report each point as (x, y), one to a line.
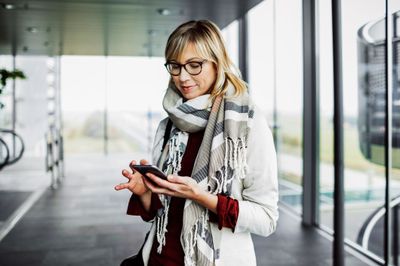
(188, 52)
(191, 51)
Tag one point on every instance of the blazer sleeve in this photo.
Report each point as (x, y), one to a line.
(135, 207)
(258, 208)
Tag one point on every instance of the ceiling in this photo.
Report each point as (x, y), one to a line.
(104, 27)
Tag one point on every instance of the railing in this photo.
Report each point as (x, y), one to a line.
(375, 223)
(4, 153)
(55, 156)
(11, 147)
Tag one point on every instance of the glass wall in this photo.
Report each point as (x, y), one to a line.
(231, 35)
(326, 173)
(364, 88)
(364, 180)
(83, 85)
(6, 62)
(395, 188)
(31, 104)
(276, 83)
(261, 57)
(6, 106)
(126, 92)
(136, 87)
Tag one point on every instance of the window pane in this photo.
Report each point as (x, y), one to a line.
(124, 88)
(289, 91)
(326, 115)
(5, 97)
(230, 34)
(32, 103)
(134, 100)
(395, 183)
(364, 115)
(83, 101)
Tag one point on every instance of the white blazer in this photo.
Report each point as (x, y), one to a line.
(257, 195)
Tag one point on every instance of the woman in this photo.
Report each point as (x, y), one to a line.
(222, 183)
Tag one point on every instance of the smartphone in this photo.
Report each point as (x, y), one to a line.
(144, 169)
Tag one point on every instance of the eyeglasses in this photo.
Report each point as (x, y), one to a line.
(192, 67)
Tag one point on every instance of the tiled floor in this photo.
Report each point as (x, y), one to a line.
(84, 223)
(10, 200)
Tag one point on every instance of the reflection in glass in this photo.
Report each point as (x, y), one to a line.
(364, 127)
(372, 116)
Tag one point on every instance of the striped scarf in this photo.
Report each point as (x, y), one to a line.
(220, 159)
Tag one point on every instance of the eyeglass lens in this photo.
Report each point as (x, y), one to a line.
(193, 68)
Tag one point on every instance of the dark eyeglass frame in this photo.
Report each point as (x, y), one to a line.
(184, 66)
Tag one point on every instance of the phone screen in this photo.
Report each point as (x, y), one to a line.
(144, 169)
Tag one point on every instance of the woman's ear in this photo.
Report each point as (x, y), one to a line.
(215, 67)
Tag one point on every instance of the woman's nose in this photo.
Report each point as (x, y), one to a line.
(184, 75)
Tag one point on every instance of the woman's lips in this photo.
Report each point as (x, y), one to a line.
(187, 88)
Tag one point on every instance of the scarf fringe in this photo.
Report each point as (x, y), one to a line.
(191, 240)
(174, 166)
(237, 153)
(162, 222)
(235, 159)
(174, 154)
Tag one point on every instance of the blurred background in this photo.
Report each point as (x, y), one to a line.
(94, 82)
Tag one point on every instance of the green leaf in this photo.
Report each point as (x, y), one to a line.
(5, 75)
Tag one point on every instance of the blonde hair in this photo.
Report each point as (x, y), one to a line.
(208, 43)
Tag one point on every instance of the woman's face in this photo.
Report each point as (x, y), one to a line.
(192, 86)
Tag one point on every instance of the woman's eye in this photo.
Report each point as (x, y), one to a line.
(174, 66)
(194, 65)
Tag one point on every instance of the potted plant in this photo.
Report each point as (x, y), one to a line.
(5, 75)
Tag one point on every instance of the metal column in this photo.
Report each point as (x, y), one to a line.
(14, 105)
(388, 134)
(105, 117)
(243, 44)
(106, 24)
(61, 167)
(310, 114)
(338, 215)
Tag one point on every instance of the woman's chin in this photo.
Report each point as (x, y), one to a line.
(189, 95)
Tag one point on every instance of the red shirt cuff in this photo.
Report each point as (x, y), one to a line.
(135, 207)
(227, 212)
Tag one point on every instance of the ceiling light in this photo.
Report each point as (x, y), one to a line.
(8, 6)
(164, 11)
(32, 29)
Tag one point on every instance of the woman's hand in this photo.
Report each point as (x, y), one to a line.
(183, 187)
(135, 181)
